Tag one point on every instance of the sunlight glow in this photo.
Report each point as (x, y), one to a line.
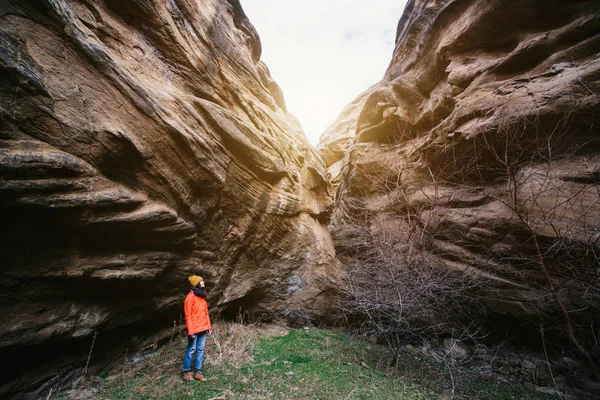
(323, 53)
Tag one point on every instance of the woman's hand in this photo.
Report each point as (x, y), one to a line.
(210, 331)
(191, 336)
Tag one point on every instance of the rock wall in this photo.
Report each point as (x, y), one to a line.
(141, 142)
(480, 148)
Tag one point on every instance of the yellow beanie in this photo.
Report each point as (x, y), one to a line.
(194, 280)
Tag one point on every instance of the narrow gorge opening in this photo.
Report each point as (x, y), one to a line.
(324, 54)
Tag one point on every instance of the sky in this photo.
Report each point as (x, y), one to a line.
(324, 53)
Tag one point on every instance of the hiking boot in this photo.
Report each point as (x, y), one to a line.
(199, 376)
(188, 376)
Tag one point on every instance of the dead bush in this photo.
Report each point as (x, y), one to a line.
(232, 343)
(397, 295)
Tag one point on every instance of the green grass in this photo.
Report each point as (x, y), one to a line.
(319, 364)
(304, 364)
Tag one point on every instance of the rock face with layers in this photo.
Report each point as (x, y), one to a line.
(142, 142)
(480, 148)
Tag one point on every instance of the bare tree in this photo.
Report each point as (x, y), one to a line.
(554, 192)
(391, 290)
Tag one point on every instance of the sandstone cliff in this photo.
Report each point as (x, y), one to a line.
(141, 142)
(479, 147)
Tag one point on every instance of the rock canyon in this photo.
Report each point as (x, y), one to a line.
(145, 141)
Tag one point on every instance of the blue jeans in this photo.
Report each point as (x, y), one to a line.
(195, 345)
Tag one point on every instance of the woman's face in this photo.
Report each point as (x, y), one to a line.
(201, 284)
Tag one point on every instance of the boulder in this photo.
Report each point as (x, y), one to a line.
(456, 349)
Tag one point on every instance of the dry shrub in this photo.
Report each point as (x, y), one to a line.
(397, 296)
(232, 344)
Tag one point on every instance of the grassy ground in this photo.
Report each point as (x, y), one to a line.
(244, 363)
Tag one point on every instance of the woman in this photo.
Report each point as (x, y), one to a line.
(198, 325)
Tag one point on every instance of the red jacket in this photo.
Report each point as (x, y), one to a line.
(195, 309)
